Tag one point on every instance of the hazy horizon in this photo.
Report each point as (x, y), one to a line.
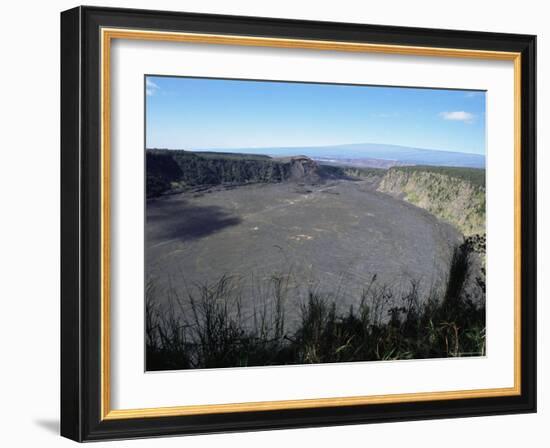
(360, 153)
(296, 146)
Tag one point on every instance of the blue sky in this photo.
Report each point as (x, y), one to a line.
(198, 113)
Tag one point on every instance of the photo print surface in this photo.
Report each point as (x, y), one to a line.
(298, 223)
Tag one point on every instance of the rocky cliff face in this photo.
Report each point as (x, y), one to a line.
(173, 170)
(301, 169)
(456, 198)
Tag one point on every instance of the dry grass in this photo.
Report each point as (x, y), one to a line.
(210, 331)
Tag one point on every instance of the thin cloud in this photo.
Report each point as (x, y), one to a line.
(150, 87)
(458, 115)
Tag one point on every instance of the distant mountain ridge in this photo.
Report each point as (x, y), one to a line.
(398, 155)
(359, 162)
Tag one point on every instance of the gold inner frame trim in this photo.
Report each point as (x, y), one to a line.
(107, 35)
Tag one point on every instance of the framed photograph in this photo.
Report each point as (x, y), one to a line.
(274, 223)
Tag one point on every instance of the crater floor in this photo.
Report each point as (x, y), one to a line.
(331, 238)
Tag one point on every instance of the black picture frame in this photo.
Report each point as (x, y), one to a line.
(81, 224)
